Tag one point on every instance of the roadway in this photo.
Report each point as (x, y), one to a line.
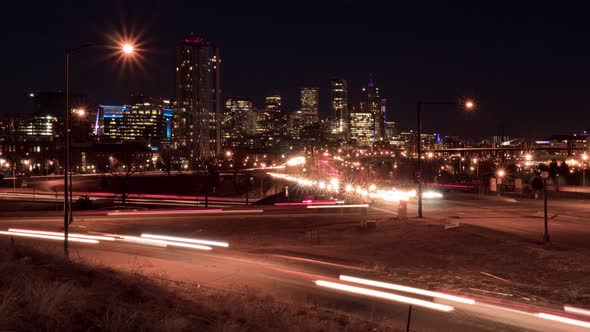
(289, 278)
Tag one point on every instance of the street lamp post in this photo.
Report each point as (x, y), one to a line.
(584, 165)
(466, 104)
(68, 216)
(545, 175)
(499, 177)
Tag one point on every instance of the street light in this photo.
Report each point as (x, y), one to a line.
(80, 112)
(467, 104)
(127, 49)
(499, 176)
(584, 166)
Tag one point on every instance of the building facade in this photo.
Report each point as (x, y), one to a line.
(372, 103)
(340, 116)
(147, 121)
(309, 99)
(272, 121)
(361, 127)
(197, 125)
(239, 120)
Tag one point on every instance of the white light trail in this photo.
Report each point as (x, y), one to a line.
(333, 185)
(296, 161)
(431, 194)
(165, 242)
(76, 235)
(407, 289)
(575, 310)
(384, 295)
(184, 239)
(48, 237)
(337, 206)
(564, 320)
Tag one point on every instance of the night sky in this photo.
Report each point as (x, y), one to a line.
(526, 65)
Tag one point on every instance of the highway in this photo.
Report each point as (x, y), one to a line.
(292, 279)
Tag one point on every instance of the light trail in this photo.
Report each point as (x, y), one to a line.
(132, 213)
(48, 237)
(575, 310)
(76, 235)
(184, 211)
(337, 206)
(407, 289)
(333, 185)
(383, 295)
(431, 194)
(308, 203)
(184, 239)
(164, 242)
(564, 320)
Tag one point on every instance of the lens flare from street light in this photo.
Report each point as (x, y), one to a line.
(501, 173)
(469, 104)
(128, 48)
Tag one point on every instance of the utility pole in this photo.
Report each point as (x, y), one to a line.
(409, 319)
(67, 156)
(419, 151)
(545, 175)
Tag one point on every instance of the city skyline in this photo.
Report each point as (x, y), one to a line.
(517, 77)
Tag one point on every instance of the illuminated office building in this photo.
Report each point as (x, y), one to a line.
(239, 118)
(340, 116)
(272, 121)
(309, 98)
(372, 103)
(361, 127)
(197, 125)
(148, 120)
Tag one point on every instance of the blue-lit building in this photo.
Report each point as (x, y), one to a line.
(147, 120)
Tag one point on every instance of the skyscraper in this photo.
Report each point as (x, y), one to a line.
(361, 131)
(340, 116)
(239, 118)
(272, 120)
(197, 125)
(371, 103)
(309, 98)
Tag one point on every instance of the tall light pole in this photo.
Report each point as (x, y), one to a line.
(500, 174)
(467, 104)
(584, 165)
(127, 49)
(545, 175)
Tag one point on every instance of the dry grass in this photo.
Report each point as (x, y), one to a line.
(40, 292)
(427, 255)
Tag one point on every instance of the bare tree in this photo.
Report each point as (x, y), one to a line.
(122, 165)
(166, 160)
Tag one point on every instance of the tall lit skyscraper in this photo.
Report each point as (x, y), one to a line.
(240, 118)
(361, 127)
(371, 103)
(197, 125)
(309, 98)
(340, 116)
(272, 121)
